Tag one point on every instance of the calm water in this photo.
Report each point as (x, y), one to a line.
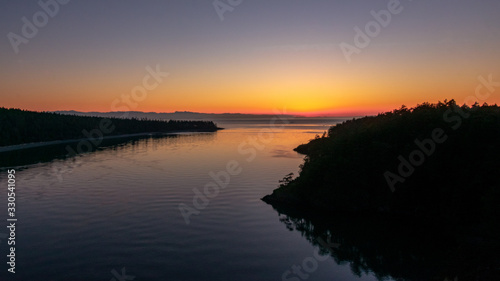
(85, 217)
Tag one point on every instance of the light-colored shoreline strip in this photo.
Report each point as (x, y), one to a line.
(58, 142)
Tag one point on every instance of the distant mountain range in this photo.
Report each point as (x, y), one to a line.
(178, 115)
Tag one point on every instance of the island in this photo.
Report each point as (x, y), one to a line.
(434, 161)
(19, 127)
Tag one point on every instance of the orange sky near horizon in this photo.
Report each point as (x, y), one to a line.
(244, 65)
(304, 86)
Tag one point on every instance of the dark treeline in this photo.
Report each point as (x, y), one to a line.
(22, 126)
(435, 161)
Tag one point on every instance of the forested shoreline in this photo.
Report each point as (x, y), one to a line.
(435, 161)
(22, 126)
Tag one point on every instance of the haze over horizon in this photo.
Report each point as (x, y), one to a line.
(282, 112)
(254, 57)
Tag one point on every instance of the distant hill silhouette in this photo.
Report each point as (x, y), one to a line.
(436, 161)
(178, 115)
(21, 126)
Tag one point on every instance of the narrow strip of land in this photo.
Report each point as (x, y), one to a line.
(59, 142)
(23, 129)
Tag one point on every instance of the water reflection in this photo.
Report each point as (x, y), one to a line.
(399, 249)
(135, 144)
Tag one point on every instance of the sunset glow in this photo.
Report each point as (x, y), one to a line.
(261, 57)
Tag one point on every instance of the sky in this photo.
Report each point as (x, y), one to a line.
(316, 57)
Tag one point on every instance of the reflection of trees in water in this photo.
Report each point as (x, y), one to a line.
(52, 152)
(60, 166)
(399, 249)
